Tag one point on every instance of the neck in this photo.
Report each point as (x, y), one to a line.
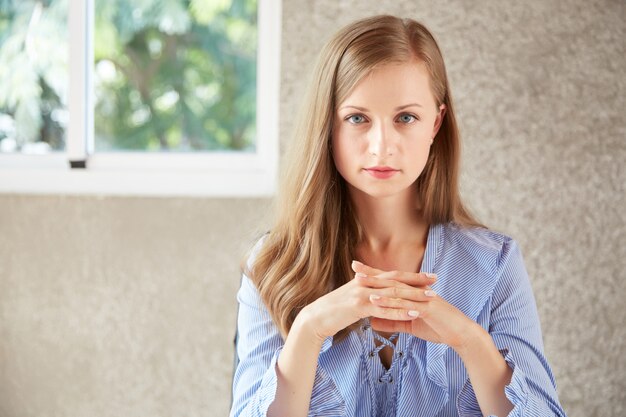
(389, 222)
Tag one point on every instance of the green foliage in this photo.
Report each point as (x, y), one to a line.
(33, 74)
(176, 75)
(169, 74)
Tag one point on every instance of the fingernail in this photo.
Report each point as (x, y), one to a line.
(414, 313)
(360, 275)
(430, 293)
(356, 263)
(431, 275)
(374, 297)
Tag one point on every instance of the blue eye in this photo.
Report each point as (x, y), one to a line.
(356, 119)
(407, 118)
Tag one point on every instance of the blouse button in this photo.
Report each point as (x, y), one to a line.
(372, 353)
(401, 354)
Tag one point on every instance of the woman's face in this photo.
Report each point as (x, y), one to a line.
(383, 130)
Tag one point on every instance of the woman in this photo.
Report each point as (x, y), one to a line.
(377, 293)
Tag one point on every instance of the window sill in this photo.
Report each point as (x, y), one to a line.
(154, 175)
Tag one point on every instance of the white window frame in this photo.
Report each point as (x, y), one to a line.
(201, 174)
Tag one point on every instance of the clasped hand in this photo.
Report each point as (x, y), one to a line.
(395, 301)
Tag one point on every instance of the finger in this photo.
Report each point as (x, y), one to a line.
(403, 292)
(410, 278)
(393, 313)
(391, 326)
(377, 282)
(410, 308)
(365, 269)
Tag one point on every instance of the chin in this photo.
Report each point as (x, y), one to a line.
(382, 191)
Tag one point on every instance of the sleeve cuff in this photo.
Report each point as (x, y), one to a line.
(516, 392)
(325, 398)
(266, 393)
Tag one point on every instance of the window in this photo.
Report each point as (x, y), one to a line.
(33, 76)
(158, 97)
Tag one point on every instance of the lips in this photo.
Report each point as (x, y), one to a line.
(382, 172)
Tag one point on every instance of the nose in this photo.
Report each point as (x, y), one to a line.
(380, 140)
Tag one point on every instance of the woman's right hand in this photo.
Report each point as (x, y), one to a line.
(351, 302)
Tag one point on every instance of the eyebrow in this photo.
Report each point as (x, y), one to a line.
(396, 109)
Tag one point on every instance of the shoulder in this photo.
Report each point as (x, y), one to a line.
(475, 264)
(248, 292)
(485, 246)
(254, 250)
(476, 238)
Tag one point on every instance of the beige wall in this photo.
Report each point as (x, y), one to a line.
(125, 306)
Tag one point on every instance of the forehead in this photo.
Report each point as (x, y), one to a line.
(395, 84)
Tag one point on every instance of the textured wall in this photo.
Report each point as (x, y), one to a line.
(119, 306)
(125, 306)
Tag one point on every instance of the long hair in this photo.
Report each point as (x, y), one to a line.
(309, 250)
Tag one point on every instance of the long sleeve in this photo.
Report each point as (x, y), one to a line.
(258, 348)
(515, 329)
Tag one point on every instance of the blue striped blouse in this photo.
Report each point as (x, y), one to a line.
(480, 272)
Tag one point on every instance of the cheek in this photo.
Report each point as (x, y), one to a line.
(417, 155)
(337, 153)
(345, 156)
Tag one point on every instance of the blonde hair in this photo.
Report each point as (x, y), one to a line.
(308, 252)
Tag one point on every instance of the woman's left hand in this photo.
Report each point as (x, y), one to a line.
(438, 321)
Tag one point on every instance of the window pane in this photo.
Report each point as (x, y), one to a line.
(177, 75)
(33, 75)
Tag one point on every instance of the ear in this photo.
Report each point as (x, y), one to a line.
(439, 120)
